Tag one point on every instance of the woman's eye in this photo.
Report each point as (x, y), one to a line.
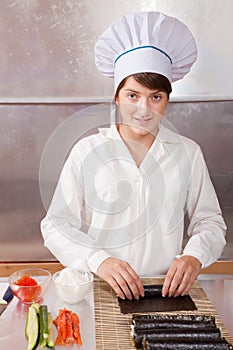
(132, 96)
(156, 97)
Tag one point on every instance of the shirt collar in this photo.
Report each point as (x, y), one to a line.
(166, 135)
(110, 133)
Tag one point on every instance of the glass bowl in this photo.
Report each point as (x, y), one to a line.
(29, 293)
(71, 285)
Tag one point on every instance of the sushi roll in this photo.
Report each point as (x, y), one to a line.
(221, 344)
(173, 318)
(152, 290)
(169, 325)
(174, 334)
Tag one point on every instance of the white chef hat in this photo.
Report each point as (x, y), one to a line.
(146, 42)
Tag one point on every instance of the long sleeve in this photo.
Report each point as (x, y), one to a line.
(207, 228)
(62, 228)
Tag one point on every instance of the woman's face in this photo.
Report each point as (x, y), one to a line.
(140, 107)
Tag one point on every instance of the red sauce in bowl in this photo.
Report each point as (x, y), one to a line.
(30, 290)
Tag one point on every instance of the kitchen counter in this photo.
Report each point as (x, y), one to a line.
(219, 289)
(13, 319)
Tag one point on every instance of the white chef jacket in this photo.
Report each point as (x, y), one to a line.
(105, 205)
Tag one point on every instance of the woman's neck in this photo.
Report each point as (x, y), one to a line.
(128, 135)
(138, 145)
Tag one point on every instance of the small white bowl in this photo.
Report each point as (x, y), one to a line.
(72, 285)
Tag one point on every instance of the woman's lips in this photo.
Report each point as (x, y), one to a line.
(142, 121)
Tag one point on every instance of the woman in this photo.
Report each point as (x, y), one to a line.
(129, 221)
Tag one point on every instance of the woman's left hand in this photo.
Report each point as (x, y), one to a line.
(181, 276)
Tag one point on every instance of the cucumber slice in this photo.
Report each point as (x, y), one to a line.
(36, 306)
(32, 328)
(44, 333)
(50, 339)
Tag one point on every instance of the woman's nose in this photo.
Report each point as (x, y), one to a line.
(143, 108)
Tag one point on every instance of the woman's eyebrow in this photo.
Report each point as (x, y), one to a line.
(132, 90)
(138, 92)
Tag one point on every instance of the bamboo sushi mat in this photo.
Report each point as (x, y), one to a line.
(112, 328)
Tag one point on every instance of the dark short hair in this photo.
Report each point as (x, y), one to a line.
(149, 80)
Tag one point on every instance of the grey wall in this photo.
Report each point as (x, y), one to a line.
(47, 46)
(24, 132)
(47, 56)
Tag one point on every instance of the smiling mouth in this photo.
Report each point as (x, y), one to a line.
(142, 121)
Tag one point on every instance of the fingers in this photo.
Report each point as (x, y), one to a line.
(133, 281)
(126, 282)
(181, 276)
(168, 280)
(184, 285)
(120, 287)
(121, 277)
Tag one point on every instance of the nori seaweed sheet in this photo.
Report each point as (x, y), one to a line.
(154, 302)
(185, 345)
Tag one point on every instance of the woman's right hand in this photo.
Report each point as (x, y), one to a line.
(121, 277)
